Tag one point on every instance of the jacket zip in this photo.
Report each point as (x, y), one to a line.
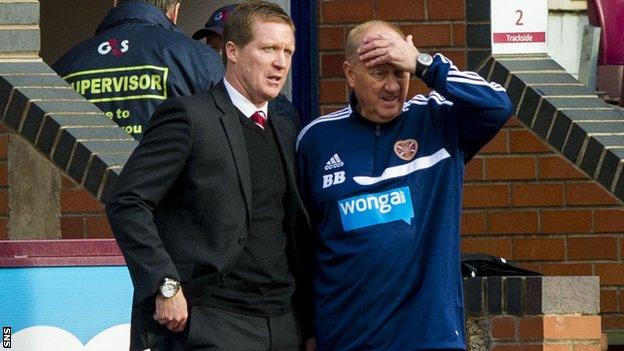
(377, 134)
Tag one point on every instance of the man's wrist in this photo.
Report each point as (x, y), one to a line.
(423, 62)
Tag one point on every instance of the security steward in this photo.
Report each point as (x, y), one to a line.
(137, 59)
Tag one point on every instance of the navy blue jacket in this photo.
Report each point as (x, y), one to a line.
(385, 204)
(136, 60)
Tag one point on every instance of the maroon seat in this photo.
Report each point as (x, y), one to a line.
(609, 16)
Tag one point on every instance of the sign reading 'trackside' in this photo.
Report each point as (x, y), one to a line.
(519, 26)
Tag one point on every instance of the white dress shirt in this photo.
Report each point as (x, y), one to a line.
(242, 103)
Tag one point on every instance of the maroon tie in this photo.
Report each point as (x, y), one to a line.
(259, 119)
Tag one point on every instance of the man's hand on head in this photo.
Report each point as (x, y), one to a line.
(389, 48)
(172, 312)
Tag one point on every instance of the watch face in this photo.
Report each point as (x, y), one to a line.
(168, 289)
(425, 59)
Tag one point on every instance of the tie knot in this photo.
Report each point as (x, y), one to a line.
(259, 119)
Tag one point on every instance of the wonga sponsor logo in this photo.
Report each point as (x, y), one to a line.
(370, 209)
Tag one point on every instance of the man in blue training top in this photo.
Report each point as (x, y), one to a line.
(382, 179)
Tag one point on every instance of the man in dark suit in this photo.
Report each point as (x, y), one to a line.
(207, 213)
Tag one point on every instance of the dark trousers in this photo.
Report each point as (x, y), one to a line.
(213, 329)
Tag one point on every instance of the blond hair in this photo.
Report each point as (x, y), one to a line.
(239, 27)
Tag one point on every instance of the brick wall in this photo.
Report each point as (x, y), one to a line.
(82, 215)
(546, 333)
(525, 202)
(39, 107)
(532, 313)
(30, 93)
(572, 223)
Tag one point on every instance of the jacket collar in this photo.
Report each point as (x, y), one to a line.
(136, 12)
(357, 116)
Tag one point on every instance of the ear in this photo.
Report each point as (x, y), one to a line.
(231, 52)
(172, 13)
(349, 74)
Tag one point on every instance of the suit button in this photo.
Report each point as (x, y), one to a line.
(242, 240)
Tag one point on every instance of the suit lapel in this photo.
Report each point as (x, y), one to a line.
(285, 133)
(285, 141)
(234, 132)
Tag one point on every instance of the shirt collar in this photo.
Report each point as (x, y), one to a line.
(242, 103)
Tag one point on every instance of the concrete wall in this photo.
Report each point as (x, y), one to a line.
(565, 32)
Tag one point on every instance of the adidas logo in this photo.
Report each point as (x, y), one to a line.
(334, 162)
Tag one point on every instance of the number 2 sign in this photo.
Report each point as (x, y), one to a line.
(519, 26)
(519, 21)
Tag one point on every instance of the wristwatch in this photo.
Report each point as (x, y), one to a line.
(169, 288)
(423, 61)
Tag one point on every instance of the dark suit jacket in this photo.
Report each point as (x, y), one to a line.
(183, 202)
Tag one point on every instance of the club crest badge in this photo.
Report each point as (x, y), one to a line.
(406, 149)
